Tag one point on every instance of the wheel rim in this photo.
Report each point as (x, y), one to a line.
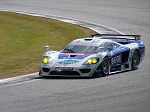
(105, 66)
(135, 60)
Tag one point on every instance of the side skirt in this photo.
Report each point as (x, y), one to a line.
(121, 68)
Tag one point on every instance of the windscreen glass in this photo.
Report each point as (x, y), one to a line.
(82, 49)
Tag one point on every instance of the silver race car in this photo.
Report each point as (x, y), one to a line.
(97, 55)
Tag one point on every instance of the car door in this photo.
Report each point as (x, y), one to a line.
(115, 53)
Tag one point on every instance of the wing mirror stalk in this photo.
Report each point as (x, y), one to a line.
(47, 47)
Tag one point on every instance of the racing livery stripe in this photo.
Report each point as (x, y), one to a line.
(97, 67)
(101, 45)
(117, 51)
(141, 48)
(72, 56)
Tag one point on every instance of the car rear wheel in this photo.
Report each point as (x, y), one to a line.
(135, 60)
(105, 66)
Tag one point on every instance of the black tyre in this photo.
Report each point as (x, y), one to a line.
(135, 60)
(39, 72)
(105, 66)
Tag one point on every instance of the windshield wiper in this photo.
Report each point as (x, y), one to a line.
(69, 50)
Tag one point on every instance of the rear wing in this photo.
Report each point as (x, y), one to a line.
(117, 37)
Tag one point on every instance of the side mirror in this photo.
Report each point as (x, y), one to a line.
(47, 48)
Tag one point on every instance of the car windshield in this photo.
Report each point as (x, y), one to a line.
(82, 49)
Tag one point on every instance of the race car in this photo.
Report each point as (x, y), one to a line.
(97, 55)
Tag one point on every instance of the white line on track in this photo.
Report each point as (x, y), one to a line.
(18, 83)
(19, 79)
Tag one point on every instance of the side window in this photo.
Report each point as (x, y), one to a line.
(108, 46)
(115, 45)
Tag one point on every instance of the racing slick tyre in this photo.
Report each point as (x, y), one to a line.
(40, 73)
(135, 60)
(105, 66)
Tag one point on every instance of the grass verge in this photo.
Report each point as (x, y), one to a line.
(23, 37)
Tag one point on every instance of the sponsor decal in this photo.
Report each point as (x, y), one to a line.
(122, 67)
(63, 68)
(115, 68)
(66, 62)
(56, 65)
(117, 51)
(116, 59)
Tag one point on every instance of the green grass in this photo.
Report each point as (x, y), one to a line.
(23, 38)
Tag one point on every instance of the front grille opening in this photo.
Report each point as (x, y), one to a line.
(73, 55)
(88, 39)
(45, 69)
(87, 70)
(69, 73)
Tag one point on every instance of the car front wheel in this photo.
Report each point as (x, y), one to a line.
(105, 66)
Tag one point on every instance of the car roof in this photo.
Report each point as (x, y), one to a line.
(91, 41)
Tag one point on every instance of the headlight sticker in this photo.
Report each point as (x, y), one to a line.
(46, 60)
(91, 61)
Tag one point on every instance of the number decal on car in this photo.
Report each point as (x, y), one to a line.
(116, 59)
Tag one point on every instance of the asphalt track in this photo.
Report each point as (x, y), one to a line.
(122, 92)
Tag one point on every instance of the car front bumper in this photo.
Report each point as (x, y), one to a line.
(67, 71)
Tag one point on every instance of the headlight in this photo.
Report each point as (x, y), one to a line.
(46, 60)
(91, 61)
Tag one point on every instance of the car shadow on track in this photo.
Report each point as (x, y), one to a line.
(122, 72)
(62, 78)
(76, 78)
